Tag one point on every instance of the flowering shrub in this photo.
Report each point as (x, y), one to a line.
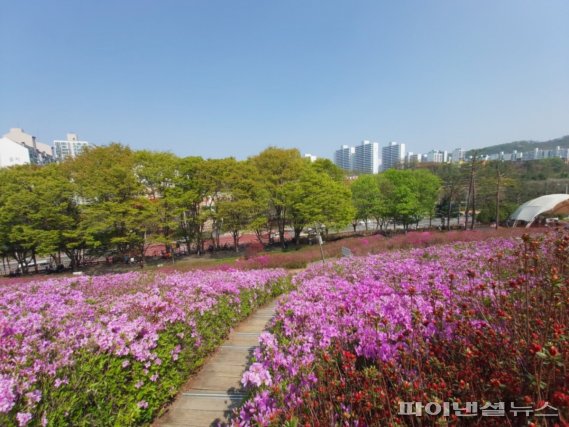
(373, 244)
(470, 322)
(111, 350)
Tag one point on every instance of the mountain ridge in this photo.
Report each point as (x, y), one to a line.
(522, 146)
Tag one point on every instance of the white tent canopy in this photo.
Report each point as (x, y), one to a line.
(529, 211)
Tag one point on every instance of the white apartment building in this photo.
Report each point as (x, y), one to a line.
(437, 156)
(414, 158)
(458, 155)
(311, 157)
(393, 155)
(344, 157)
(366, 158)
(13, 153)
(70, 147)
(39, 153)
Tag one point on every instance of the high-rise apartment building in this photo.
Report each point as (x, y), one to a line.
(366, 157)
(393, 155)
(343, 158)
(71, 147)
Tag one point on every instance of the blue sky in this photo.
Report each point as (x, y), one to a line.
(219, 78)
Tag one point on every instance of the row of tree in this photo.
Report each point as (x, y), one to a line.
(399, 196)
(489, 192)
(112, 200)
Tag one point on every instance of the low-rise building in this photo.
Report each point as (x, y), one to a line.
(311, 157)
(39, 153)
(13, 153)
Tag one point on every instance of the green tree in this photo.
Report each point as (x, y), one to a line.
(316, 198)
(402, 198)
(277, 168)
(497, 177)
(115, 212)
(452, 187)
(427, 186)
(37, 212)
(329, 168)
(367, 199)
(188, 194)
(157, 172)
(217, 176)
(243, 202)
(445, 209)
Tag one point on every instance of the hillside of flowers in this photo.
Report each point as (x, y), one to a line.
(382, 340)
(111, 350)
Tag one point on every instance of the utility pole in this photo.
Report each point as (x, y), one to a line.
(472, 192)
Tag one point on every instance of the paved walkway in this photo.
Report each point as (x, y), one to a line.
(210, 395)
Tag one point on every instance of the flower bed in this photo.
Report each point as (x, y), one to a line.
(472, 322)
(111, 350)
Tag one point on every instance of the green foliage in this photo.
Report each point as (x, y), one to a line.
(409, 194)
(329, 168)
(368, 200)
(488, 212)
(317, 198)
(38, 211)
(105, 174)
(278, 168)
(244, 201)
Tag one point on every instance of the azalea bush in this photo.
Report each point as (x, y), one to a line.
(481, 322)
(300, 257)
(112, 350)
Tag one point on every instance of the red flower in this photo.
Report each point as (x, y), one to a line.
(560, 399)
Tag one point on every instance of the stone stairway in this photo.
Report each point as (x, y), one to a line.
(210, 396)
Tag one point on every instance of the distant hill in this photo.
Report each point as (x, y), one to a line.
(522, 146)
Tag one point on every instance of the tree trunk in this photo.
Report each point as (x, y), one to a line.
(449, 212)
(467, 207)
(297, 232)
(259, 236)
(236, 240)
(218, 236)
(35, 262)
(498, 177)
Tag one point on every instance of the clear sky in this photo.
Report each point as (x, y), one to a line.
(229, 78)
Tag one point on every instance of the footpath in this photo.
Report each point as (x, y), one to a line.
(210, 396)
